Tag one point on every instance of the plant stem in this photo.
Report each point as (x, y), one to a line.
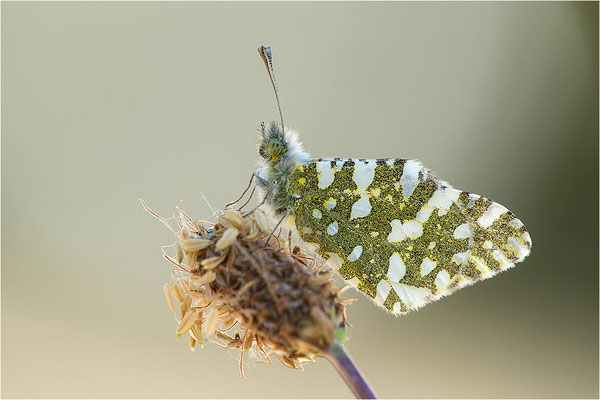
(348, 371)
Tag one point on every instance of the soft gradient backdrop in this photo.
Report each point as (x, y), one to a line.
(103, 103)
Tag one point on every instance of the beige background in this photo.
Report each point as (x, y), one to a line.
(105, 102)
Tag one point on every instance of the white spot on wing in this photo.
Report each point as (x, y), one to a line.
(413, 229)
(501, 258)
(427, 266)
(412, 297)
(332, 229)
(397, 234)
(461, 258)
(515, 223)
(383, 289)
(424, 214)
(363, 175)
(521, 250)
(334, 261)
(306, 230)
(353, 282)
(442, 199)
(479, 264)
(397, 268)
(410, 177)
(312, 247)
(442, 281)
(326, 174)
(527, 238)
(317, 214)
(290, 222)
(356, 252)
(396, 307)
(361, 208)
(491, 214)
(463, 231)
(330, 204)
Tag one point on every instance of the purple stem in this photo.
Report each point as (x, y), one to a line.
(348, 371)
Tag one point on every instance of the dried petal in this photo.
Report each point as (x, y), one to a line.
(168, 297)
(320, 279)
(246, 287)
(213, 262)
(178, 253)
(261, 220)
(233, 216)
(212, 320)
(227, 239)
(195, 244)
(286, 361)
(199, 227)
(200, 303)
(248, 341)
(192, 260)
(196, 333)
(184, 234)
(208, 277)
(186, 322)
(185, 306)
(247, 226)
(177, 292)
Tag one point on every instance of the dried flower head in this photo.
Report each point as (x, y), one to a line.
(250, 294)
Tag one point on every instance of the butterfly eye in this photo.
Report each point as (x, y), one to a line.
(276, 149)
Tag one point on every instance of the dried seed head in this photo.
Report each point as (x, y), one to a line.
(274, 296)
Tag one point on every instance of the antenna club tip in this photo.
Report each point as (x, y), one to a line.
(264, 50)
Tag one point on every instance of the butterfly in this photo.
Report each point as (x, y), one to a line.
(390, 227)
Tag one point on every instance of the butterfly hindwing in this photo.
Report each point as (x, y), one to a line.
(399, 234)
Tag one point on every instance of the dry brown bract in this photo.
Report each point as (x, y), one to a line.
(280, 303)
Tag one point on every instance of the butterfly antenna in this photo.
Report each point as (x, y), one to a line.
(265, 54)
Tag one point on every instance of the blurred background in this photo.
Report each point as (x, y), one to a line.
(106, 102)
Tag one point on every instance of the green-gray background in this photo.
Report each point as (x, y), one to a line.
(105, 102)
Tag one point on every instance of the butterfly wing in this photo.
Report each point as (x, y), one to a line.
(399, 234)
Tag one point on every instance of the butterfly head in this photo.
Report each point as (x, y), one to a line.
(273, 144)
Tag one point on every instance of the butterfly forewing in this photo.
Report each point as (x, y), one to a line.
(399, 234)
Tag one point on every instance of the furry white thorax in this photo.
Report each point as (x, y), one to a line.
(268, 170)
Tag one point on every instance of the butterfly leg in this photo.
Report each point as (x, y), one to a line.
(269, 193)
(245, 191)
(277, 226)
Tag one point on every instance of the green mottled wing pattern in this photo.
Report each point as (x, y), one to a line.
(399, 234)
